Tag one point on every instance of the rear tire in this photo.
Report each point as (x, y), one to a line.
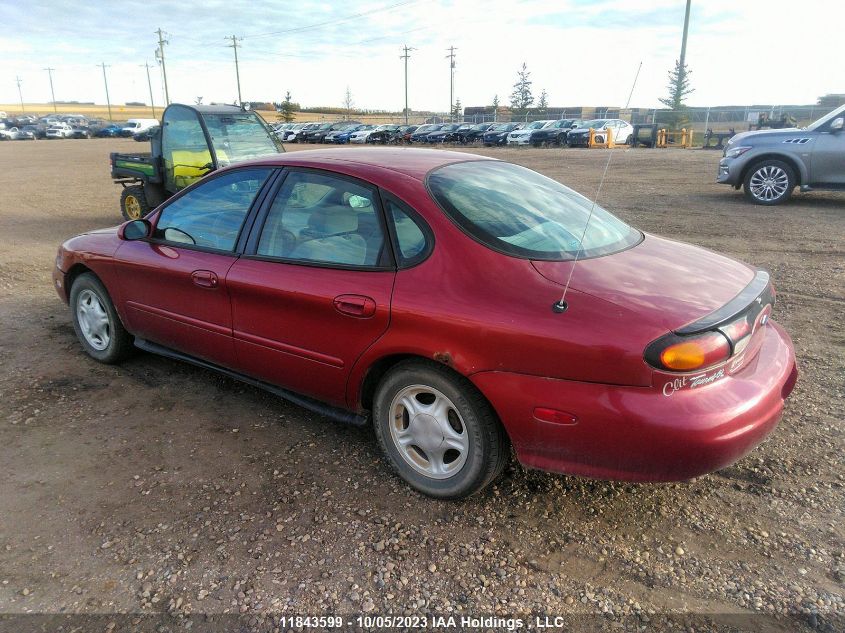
(96, 323)
(438, 432)
(133, 203)
(769, 182)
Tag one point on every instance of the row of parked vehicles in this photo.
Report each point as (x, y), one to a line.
(30, 128)
(570, 132)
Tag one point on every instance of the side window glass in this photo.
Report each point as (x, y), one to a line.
(323, 219)
(211, 215)
(411, 241)
(184, 149)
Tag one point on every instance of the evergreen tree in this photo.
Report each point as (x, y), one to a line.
(521, 97)
(287, 108)
(458, 109)
(679, 88)
(543, 103)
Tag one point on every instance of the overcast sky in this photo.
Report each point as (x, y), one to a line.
(582, 52)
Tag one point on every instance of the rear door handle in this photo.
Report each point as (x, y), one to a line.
(204, 278)
(355, 305)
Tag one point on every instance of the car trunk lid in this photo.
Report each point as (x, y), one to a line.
(667, 283)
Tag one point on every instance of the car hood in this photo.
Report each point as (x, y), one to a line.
(583, 130)
(769, 135)
(667, 283)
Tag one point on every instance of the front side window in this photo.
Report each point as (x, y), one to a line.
(323, 219)
(519, 212)
(211, 215)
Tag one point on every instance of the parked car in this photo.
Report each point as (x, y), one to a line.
(555, 133)
(298, 134)
(405, 133)
(769, 164)
(422, 131)
(146, 135)
(522, 136)
(109, 131)
(319, 133)
(623, 132)
(133, 126)
(276, 273)
(439, 136)
(59, 130)
(31, 132)
(497, 134)
(342, 134)
(16, 134)
(80, 131)
(362, 135)
(468, 133)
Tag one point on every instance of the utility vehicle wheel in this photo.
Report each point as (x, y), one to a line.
(96, 323)
(769, 182)
(439, 433)
(133, 203)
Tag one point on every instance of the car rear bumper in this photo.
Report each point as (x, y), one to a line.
(641, 433)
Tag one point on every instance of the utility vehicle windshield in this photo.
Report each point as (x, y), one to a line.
(239, 137)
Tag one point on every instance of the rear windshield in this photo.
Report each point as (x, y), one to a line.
(519, 212)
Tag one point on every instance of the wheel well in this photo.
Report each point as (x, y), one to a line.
(781, 157)
(72, 274)
(383, 365)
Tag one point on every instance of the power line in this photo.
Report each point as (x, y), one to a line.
(106, 82)
(150, 85)
(20, 94)
(335, 21)
(234, 46)
(160, 57)
(406, 56)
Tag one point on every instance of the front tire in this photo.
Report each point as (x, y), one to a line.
(96, 323)
(133, 203)
(438, 432)
(769, 182)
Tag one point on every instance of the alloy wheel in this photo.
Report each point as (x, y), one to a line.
(769, 183)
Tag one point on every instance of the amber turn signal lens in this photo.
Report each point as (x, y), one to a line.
(701, 351)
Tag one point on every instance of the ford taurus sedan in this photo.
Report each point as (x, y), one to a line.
(422, 292)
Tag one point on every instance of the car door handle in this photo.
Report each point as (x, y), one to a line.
(204, 278)
(355, 305)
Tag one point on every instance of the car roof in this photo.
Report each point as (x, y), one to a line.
(410, 161)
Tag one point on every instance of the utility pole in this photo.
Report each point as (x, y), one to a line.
(682, 69)
(406, 56)
(234, 45)
(52, 93)
(160, 56)
(150, 86)
(106, 81)
(451, 57)
(20, 94)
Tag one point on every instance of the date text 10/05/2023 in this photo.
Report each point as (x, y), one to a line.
(422, 622)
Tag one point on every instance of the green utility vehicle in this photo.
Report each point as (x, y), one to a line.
(192, 141)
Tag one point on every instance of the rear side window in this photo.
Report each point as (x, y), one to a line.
(519, 212)
(323, 219)
(211, 214)
(412, 242)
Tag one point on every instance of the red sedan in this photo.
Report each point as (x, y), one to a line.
(420, 291)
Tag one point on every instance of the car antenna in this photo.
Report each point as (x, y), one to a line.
(561, 306)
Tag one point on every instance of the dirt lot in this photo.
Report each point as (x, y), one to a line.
(155, 487)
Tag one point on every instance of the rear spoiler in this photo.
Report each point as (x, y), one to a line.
(758, 291)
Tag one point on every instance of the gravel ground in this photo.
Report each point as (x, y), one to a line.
(159, 488)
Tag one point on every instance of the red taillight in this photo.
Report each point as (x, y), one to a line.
(689, 353)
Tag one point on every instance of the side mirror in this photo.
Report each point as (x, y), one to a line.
(837, 124)
(135, 230)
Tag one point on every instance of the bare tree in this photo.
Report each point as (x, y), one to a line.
(348, 103)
